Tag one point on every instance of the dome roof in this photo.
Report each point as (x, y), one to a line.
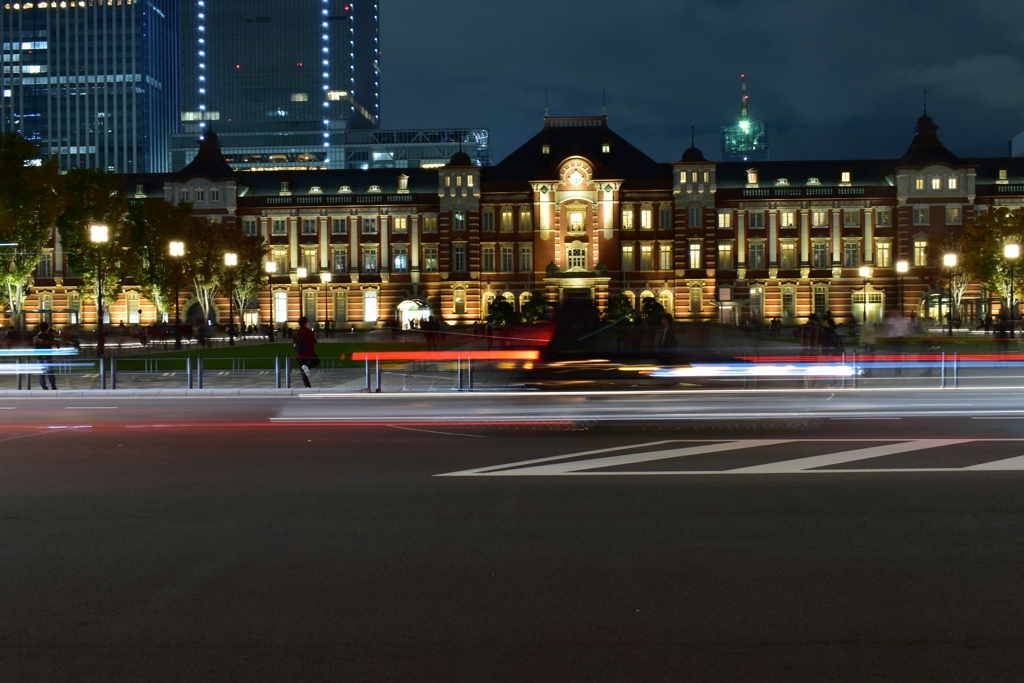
(460, 158)
(926, 149)
(693, 154)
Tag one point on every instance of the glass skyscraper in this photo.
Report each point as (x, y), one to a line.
(94, 82)
(277, 80)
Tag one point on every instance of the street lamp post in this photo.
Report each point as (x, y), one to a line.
(325, 277)
(949, 260)
(865, 272)
(1011, 252)
(300, 274)
(99, 234)
(271, 268)
(901, 268)
(177, 251)
(230, 261)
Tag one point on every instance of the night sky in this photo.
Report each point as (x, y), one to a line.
(833, 79)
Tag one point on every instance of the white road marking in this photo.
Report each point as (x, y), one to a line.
(865, 418)
(90, 407)
(615, 460)
(431, 431)
(484, 470)
(996, 418)
(1000, 465)
(815, 461)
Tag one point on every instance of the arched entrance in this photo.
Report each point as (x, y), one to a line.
(412, 310)
(195, 312)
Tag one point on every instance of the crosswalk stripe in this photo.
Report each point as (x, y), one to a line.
(999, 465)
(485, 470)
(845, 456)
(581, 466)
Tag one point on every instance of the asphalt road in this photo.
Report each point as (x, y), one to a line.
(308, 539)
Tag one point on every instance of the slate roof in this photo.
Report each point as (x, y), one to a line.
(584, 136)
(208, 162)
(926, 149)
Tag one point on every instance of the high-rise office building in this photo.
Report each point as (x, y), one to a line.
(277, 81)
(94, 82)
(746, 140)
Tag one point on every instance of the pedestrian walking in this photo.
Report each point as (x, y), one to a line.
(45, 343)
(305, 350)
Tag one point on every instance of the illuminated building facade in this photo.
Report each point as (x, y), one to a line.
(94, 83)
(280, 82)
(746, 140)
(579, 214)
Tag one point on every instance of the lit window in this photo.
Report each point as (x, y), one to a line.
(401, 259)
(316, 189)
(845, 177)
(752, 177)
(645, 219)
(707, 176)
(787, 255)
(374, 188)
(814, 181)
(952, 183)
(664, 257)
(627, 219)
(525, 218)
(883, 254)
(787, 219)
(936, 183)
(370, 259)
(918, 183)
(429, 259)
(345, 189)
(403, 183)
(627, 257)
(782, 181)
(819, 219)
(545, 149)
(339, 260)
(953, 216)
(920, 252)
(429, 224)
(695, 255)
(725, 256)
(646, 257)
(724, 219)
(400, 224)
(577, 257)
(576, 221)
(506, 219)
(606, 148)
(300, 97)
(1003, 175)
(469, 181)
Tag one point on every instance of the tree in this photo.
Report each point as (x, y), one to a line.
(206, 243)
(622, 307)
(31, 199)
(651, 310)
(959, 277)
(96, 197)
(249, 275)
(983, 246)
(503, 313)
(535, 308)
(154, 224)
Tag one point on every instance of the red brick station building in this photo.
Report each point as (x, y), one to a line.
(579, 213)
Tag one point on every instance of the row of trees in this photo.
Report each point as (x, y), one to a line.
(35, 199)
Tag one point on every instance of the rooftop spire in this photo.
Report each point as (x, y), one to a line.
(692, 143)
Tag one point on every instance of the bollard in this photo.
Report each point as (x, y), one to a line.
(103, 373)
(17, 372)
(458, 372)
(469, 373)
(277, 371)
(188, 370)
(367, 374)
(853, 383)
(956, 381)
(287, 372)
(942, 371)
(199, 372)
(377, 364)
(113, 372)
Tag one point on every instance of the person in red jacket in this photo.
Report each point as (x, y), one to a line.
(305, 349)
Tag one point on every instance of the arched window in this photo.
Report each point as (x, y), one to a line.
(488, 301)
(665, 299)
(631, 298)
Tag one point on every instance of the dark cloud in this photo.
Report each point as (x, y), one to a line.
(833, 78)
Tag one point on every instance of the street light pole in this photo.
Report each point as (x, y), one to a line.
(1011, 252)
(300, 274)
(230, 261)
(901, 269)
(271, 268)
(99, 234)
(177, 251)
(325, 277)
(865, 272)
(949, 260)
